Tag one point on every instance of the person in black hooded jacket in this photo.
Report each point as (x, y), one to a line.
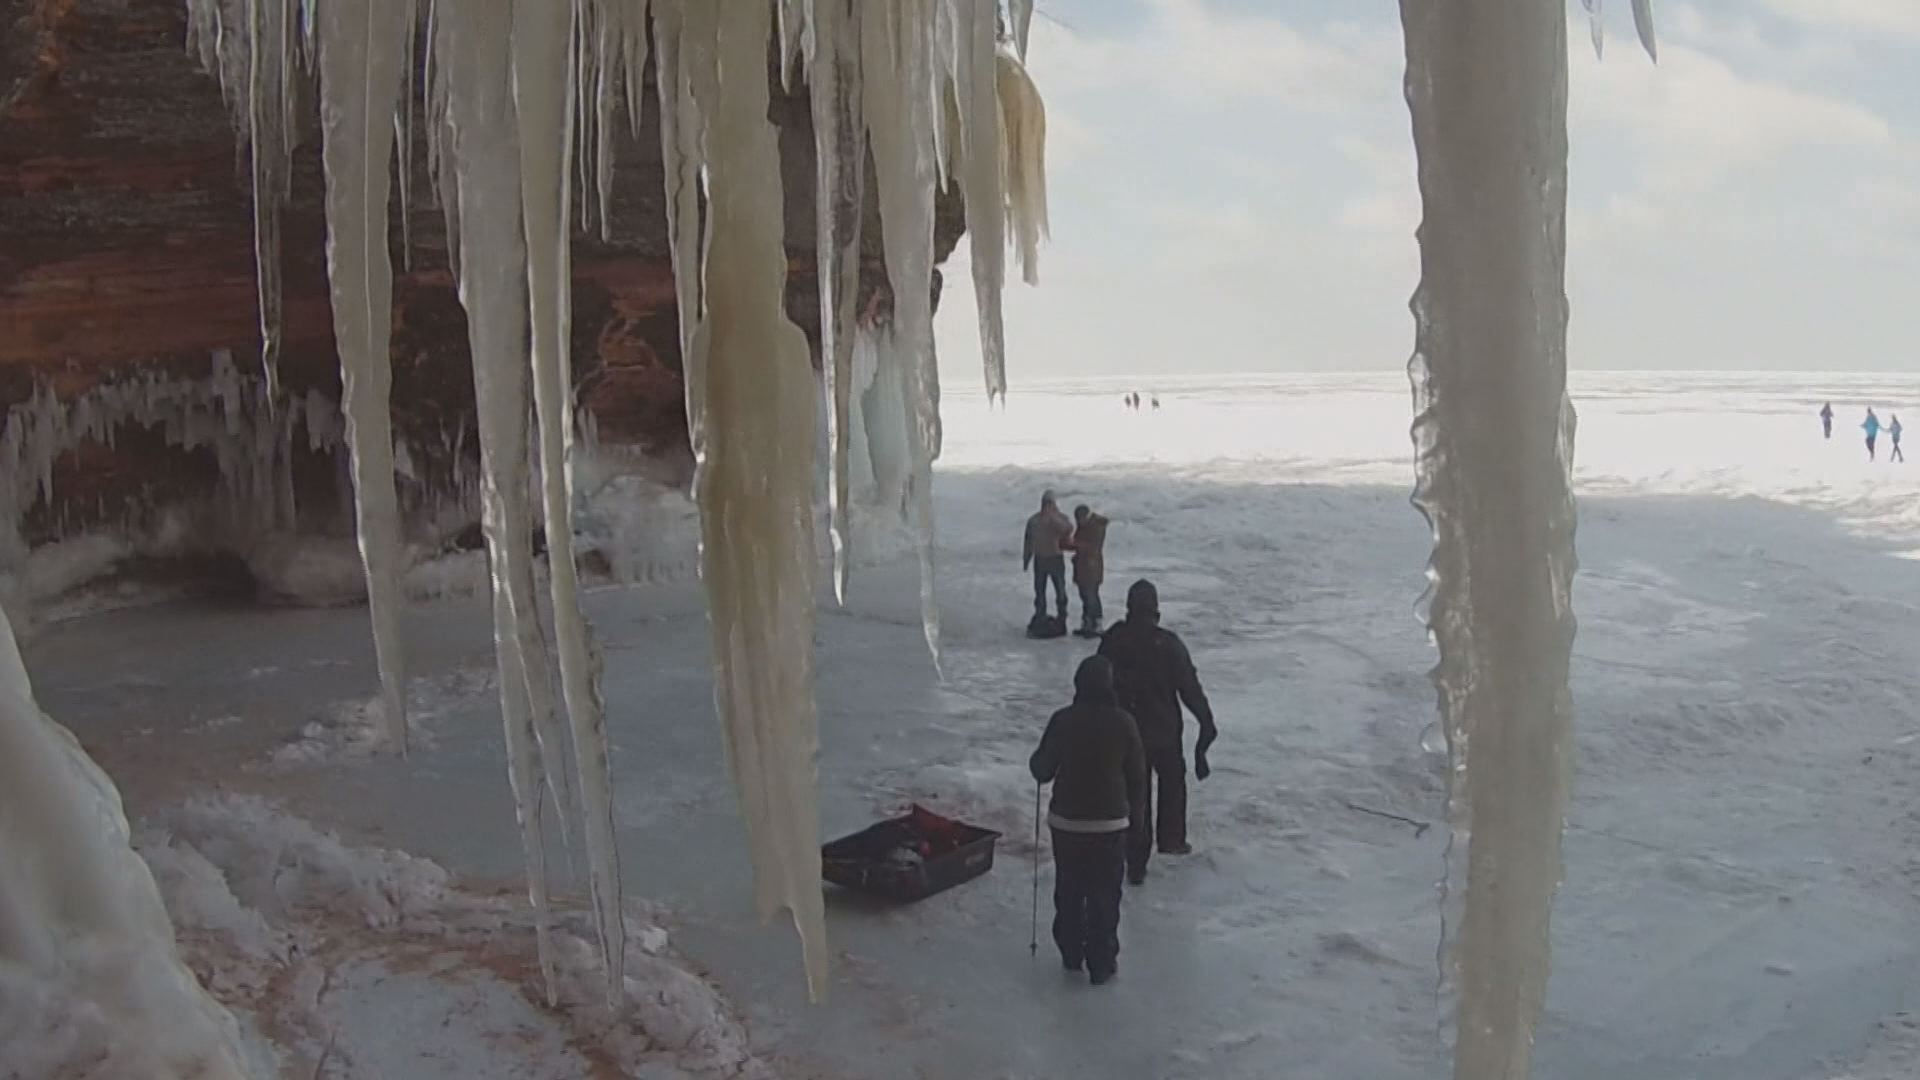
(1154, 675)
(1091, 753)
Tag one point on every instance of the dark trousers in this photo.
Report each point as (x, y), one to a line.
(1087, 868)
(1166, 823)
(1090, 613)
(1870, 442)
(1050, 568)
(1898, 454)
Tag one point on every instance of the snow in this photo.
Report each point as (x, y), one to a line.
(90, 984)
(361, 962)
(1494, 440)
(1745, 748)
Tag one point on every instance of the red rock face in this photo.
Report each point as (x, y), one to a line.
(126, 249)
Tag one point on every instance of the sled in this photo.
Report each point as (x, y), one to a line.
(910, 857)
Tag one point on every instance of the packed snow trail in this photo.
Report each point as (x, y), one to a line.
(87, 958)
(360, 81)
(543, 71)
(755, 479)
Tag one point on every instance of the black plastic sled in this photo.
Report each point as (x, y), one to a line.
(910, 857)
(1046, 626)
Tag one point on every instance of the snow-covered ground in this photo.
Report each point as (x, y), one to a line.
(1740, 897)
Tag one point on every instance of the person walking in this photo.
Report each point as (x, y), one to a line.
(1091, 754)
(1826, 419)
(1154, 676)
(1089, 566)
(1872, 427)
(1049, 537)
(1893, 435)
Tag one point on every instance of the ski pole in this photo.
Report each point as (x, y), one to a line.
(1033, 936)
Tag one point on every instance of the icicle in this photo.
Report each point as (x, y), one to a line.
(896, 58)
(755, 484)
(608, 52)
(840, 191)
(543, 87)
(634, 39)
(793, 31)
(1023, 127)
(484, 156)
(268, 25)
(1487, 86)
(1021, 15)
(360, 61)
(983, 178)
(1643, 23)
(403, 131)
(683, 156)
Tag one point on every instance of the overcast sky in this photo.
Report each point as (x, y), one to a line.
(1232, 190)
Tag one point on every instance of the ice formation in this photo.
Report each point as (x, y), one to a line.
(840, 187)
(361, 61)
(1487, 86)
(90, 983)
(754, 478)
(520, 100)
(471, 47)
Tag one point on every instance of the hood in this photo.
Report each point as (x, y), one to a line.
(1143, 600)
(1093, 682)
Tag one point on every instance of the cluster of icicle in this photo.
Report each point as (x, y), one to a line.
(519, 102)
(1487, 86)
(252, 446)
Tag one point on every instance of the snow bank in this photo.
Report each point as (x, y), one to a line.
(321, 943)
(90, 985)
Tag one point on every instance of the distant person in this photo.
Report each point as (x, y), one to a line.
(1156, 403)
(1049, 537)
(1092, 755)
(1826, 419)
(1089, 566)
(1893, 436)
(1872, 427)
(1154, 676)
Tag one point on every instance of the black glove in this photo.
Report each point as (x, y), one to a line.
(1208, 734)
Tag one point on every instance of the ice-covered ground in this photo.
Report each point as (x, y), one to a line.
(1741, 882)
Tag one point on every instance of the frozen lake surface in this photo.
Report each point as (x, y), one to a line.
(1741, 860)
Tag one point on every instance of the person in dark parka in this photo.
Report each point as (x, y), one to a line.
(1092, 755)
(1154, 675)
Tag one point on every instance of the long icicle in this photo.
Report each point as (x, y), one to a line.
(983, 178)
(897, 58)
(755, 484)
(1487, 87)
(360, 42)
(475, 58)
(269, 146)
(840, 192)
(543, 84)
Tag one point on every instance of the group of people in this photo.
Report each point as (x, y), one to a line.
(1123, 736)
(1132, 401)
(1872, 426)
(1050, 537)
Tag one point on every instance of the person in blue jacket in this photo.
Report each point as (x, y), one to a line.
(1871, 426)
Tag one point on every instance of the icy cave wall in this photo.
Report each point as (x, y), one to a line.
(130, 327)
